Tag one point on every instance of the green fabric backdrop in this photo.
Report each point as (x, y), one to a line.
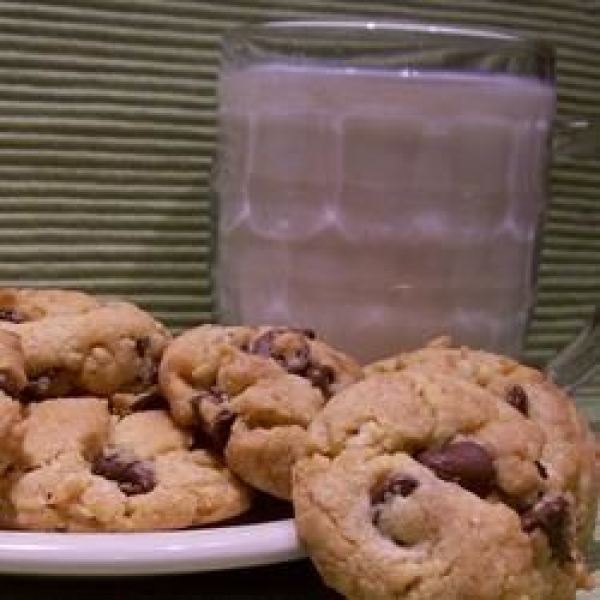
(107, 127)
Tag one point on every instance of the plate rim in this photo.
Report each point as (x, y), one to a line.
(145, 553)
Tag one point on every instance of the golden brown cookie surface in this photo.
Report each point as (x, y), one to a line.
(12, 381)
(384, 527)
(569, 445)
(253, 391)
(418, 482)
(84, 469)
(107, 349)
(21, 305)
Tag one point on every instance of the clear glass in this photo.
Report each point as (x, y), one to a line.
(382, 183)
(579, 362)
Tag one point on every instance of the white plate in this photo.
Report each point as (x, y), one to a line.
(149, 553)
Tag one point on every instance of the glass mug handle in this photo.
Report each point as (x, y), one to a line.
(579, 361)
(576, 138)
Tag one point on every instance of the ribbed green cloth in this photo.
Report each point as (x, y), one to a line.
(107, 129)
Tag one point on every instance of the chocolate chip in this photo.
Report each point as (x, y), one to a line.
(263, 344)
(217, 427)
(142, 345)
(541, 469)
(213, 394)
(54, 383)
(220, 428)
(132, 476)
(294, 359)
(393, 485)
(551, 516)
(152, 400)
(544, 514)
(322, 377)
(308, 333)
(12, 315)
(466, 463)
(8, 384)
(37, 389)
(297, 360)
(516, 396)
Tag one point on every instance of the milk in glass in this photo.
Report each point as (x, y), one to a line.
(381, 208)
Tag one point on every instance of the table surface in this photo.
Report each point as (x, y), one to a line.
(295, 580)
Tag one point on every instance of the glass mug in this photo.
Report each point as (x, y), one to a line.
(383, 183)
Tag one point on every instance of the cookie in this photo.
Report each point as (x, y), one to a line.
(252, 392)
(13, 376)
(125, 403)
(12, 380)
(383, 527)
(101, 351)
(21, 305)
(420, 485)
(10, 417)
(84, 469)
(569, 449)
(484, 368)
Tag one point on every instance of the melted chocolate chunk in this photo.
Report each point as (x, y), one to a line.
(12, 315)
(220, 429)
(152, 400)
(322, 377)
(8, 384)
(541, 469)
(388, 488)
(52, 384)
(393, 485)
(466, 463)
(263, 344)
(142, 346)
(213, 394)
(215, 431)
(37, 389)
(552, 518)
(294, 359)
(308, 333)
(516, 396)
(132, 476)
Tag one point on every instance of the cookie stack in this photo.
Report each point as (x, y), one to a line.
(108, 423)
(87, 443)
(442, 473)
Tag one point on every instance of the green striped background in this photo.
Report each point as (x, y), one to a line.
(107, 128)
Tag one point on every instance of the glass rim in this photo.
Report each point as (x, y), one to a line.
(487, 37)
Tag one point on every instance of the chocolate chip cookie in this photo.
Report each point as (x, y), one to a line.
(85, 469)
(10, 417)
(419, 484)
(251, 392)
(13, 376)
(21, 305)
(569, 442)
(100, 351)
(12, 380)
